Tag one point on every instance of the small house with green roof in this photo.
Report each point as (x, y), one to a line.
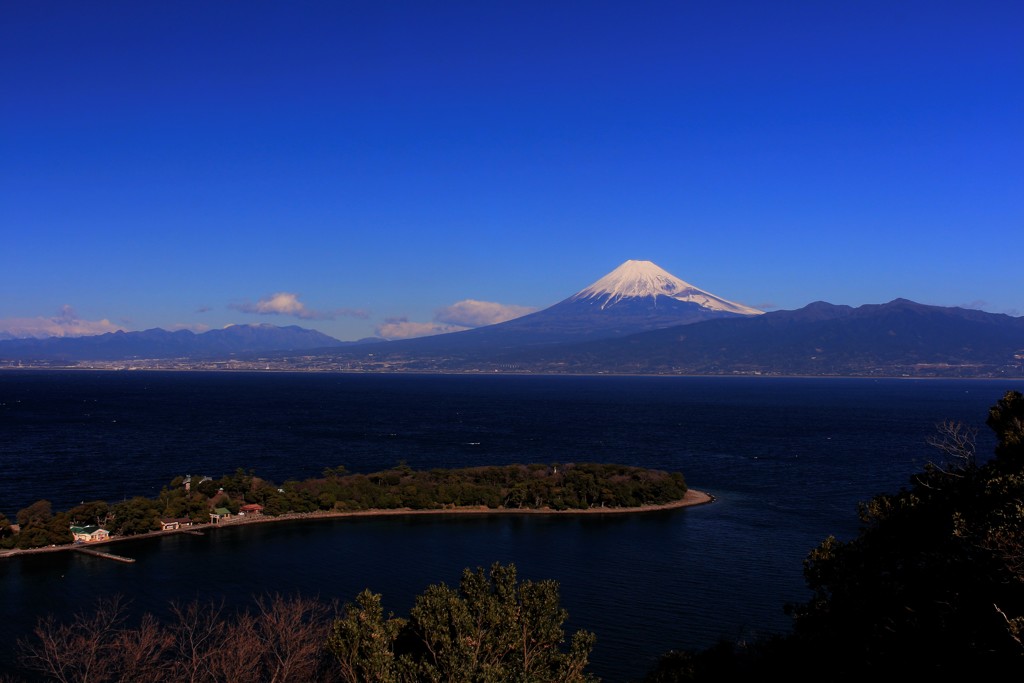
(219, 514)
(89, 534)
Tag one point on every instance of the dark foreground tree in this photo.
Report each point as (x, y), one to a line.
(280, 640)
(932, 586)
(94, 646)
(491, 630)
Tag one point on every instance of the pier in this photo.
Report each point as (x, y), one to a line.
(108, 556)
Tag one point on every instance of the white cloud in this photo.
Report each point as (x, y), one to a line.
(286, 303)
(64, 324)
(462, 315)
(280, 303)
(473, 313)
(402, 328)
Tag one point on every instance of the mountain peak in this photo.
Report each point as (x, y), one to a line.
(640, 279)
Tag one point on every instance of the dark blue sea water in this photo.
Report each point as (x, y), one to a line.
(786, 459)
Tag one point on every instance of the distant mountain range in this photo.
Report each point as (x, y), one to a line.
(635, 297)
(640, 319)
(158, 343)
(637, 319)
(897, 338)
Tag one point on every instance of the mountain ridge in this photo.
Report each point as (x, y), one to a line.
(898, 338)
(895, 338)
(638, 319)
(160, 343)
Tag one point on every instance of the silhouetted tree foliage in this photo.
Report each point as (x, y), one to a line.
(933, 585)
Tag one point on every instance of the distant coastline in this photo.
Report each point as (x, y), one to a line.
(276, 368)
(690, 499)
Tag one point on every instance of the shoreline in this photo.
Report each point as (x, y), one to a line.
(690, 499)
(498, 373)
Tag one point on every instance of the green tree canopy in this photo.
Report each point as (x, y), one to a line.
(94, 512)
(40, 527)
(136, 515)
(492, 629)
(6, 534)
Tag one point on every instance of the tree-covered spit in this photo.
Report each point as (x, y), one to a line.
(559, 487)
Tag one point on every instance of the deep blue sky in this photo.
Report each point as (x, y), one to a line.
(179, 163)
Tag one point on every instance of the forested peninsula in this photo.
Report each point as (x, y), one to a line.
(188, 501)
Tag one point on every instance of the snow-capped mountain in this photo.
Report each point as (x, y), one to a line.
(638, 296)
(635, 297)
(643, 279)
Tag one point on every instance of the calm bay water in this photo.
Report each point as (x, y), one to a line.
(786, 459)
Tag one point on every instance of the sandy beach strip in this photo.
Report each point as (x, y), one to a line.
(691, 498)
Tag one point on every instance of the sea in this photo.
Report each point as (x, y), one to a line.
(787, 461)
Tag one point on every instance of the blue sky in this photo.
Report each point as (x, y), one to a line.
(358, 167)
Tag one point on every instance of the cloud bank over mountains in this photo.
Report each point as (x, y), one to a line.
(403, 328)
(65, 324)
(462, 315)
(473, 313)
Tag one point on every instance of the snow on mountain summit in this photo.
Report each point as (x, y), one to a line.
(641, 279)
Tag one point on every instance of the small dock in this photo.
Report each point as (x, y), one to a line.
(194, 532)
(106, 556)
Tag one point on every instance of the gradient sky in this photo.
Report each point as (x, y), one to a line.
(366, 166)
